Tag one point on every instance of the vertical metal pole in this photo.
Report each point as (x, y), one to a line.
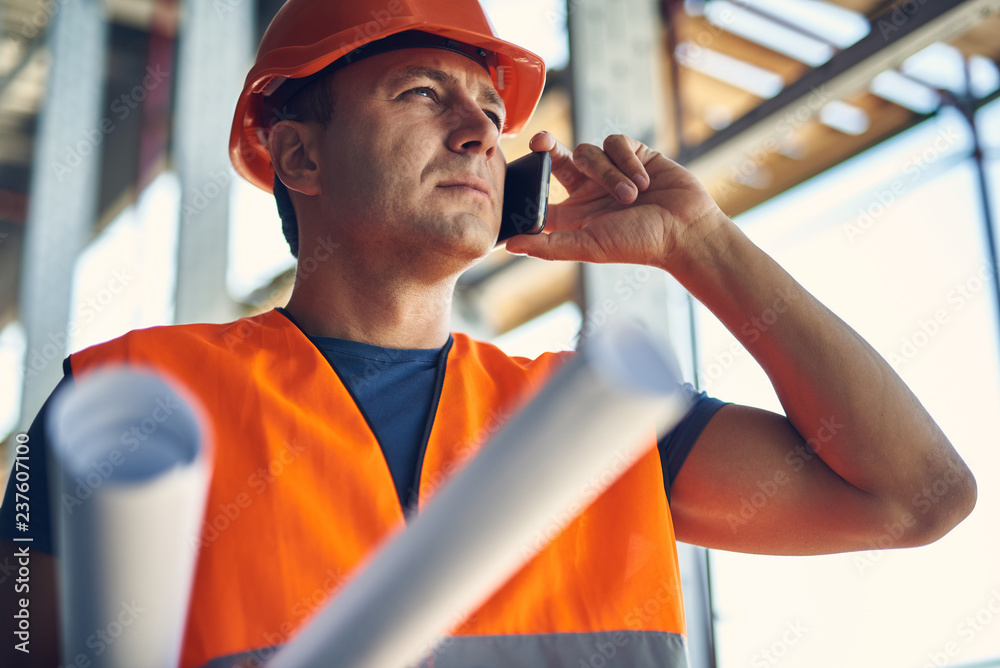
(615, 56)
(966, 104)
(63, 195)
(214, 56)
(988, 220)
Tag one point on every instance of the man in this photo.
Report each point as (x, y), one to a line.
(385, 149)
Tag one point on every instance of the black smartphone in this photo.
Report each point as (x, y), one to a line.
(525, 195)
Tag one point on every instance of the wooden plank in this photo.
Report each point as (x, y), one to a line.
(825, 147)
(700, 91)
(982, 40)
(699, 31)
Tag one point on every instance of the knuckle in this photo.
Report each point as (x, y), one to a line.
(584, 153)
(614, 140)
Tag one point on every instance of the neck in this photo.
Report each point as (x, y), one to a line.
(378, 308)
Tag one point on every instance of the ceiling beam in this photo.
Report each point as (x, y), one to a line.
(896, 34)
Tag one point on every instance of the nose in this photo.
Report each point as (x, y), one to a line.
(472, 130)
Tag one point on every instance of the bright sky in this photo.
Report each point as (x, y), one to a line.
(906, 275)
(903, 271)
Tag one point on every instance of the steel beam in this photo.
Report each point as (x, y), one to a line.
(897, 34)
(969, 107)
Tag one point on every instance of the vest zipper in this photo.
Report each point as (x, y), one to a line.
(411, 508)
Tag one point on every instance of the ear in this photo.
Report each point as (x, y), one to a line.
(292, 145)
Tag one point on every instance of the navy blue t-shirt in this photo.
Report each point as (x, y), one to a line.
(397, 392)
(395, 389)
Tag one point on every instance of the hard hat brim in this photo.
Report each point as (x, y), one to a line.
(519, 78)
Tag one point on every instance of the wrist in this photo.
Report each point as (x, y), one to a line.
(700, 246)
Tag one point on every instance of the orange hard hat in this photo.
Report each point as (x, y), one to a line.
(308, 35)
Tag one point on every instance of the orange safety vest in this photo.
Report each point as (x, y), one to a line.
(301, 494)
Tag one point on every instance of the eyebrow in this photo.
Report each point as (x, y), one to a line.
(486, 93)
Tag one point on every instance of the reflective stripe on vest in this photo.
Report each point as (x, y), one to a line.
(635, 649)
(301, 494)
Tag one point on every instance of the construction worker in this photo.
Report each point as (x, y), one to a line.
(377, 126)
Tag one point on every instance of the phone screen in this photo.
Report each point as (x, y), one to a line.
(525, 195)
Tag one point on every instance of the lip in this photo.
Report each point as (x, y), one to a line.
(477, 185)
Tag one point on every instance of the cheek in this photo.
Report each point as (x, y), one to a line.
(499, 174)
(499, 169)
(359, 174)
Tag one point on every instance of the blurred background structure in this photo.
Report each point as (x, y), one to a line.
(854, 140)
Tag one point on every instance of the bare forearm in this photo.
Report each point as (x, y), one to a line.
(877, 449)
(837, 392)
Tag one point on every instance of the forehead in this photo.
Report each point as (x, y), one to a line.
(396, 68)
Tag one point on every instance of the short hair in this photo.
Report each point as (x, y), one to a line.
(312, 104)
(289, 222)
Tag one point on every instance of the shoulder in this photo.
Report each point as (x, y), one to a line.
(190, 342)
(484, 365)
(491, 356)
(481, 373)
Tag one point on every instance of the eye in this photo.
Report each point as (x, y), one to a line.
(495, 117)
(424, 91)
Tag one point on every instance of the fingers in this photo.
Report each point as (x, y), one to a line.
(616, 167)
(622, 151)
(563, 167)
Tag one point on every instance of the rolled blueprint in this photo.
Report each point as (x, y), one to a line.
(585, 428)
(130, 466)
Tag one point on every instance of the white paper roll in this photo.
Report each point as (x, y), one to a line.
(588, 425)
(130, 470)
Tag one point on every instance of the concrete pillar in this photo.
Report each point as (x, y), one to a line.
(215, 53)
(615, 56)
(63, 196)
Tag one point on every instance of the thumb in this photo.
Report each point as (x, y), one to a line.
(566, 245)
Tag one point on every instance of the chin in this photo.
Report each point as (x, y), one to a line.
(469, 235)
